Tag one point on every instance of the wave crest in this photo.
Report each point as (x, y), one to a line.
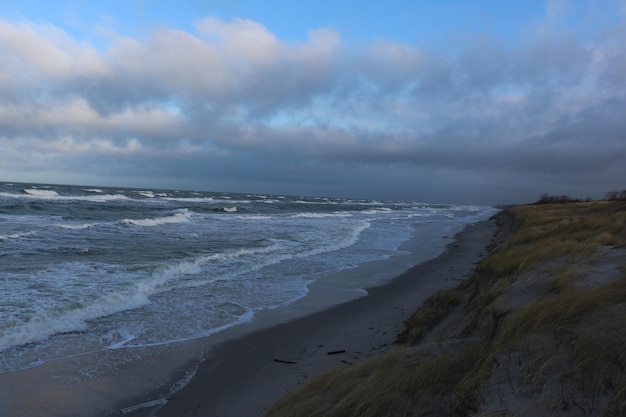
(174, 218)
(41, 193)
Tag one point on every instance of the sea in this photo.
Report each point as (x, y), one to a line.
(88, 269)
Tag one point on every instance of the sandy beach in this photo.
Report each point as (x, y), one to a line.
(246, 375)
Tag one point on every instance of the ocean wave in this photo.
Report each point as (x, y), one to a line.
(75, 226)
(311, 215)
(72, 317)
(230, 265)
(225, 209)
(125, 338)
(208, 200)
(75, 316)
(422, 215)
(151, 194)
(346, 240)
(53, 195)
(191, 199)
(174, 218)
(380, 210)
(254, 217)
(99, 198)
(240, 253)
(40, 193)
(15, 236)
(314, 202)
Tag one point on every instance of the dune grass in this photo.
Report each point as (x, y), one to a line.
(560, 352)
(550, 232)
(434, 309)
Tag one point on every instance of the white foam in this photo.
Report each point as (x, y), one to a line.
(345, 241)
(189, 267)
(147, 404)
(225, 209)
(380, 210)
(53, 195)
(247, 317)
(272, 254)
(74, 316)
(41, 193)
(181, 268)
(15, 236)
(249, 261)
(312, 215)
(46, 323)
(75, 226)
(174, 218)
(254, 217)
(191, 199)
(99, 198)
(119, 338)
(422, 215)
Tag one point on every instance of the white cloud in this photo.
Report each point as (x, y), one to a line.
(241, 37)
(45, 52)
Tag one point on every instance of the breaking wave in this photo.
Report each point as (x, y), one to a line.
(15, 236)
(40, 193)
(225, 209)
(174, 218)
(34, 193)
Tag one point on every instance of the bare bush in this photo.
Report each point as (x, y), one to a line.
(555, 199)
(615, 195)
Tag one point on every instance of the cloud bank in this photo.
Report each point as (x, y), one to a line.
(229, 106)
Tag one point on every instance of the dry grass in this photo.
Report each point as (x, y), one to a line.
(564, 310)
(406, 381)
(550, 232)
(558, 351)
(434, 309)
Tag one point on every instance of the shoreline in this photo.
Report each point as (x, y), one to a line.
(245, 374)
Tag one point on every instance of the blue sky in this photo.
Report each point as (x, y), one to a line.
(454, 101)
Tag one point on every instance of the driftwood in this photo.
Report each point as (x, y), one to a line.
(283, 361)
(334, 352)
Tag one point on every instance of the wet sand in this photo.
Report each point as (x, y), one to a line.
(244, 376)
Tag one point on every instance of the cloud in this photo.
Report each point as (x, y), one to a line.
(36, 53)
(231, 100)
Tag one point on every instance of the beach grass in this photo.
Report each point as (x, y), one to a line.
(538, 329)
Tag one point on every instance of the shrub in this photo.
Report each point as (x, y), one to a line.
(555, 199)
(615, 195)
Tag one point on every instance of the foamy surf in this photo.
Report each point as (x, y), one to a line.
(100, 269)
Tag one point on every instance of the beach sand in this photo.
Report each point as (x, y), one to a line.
(244, 376)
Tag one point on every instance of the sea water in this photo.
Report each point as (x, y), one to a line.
(89, 269)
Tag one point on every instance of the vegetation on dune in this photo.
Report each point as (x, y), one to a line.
(539, 329)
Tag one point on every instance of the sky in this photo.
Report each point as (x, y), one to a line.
(481, 102)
